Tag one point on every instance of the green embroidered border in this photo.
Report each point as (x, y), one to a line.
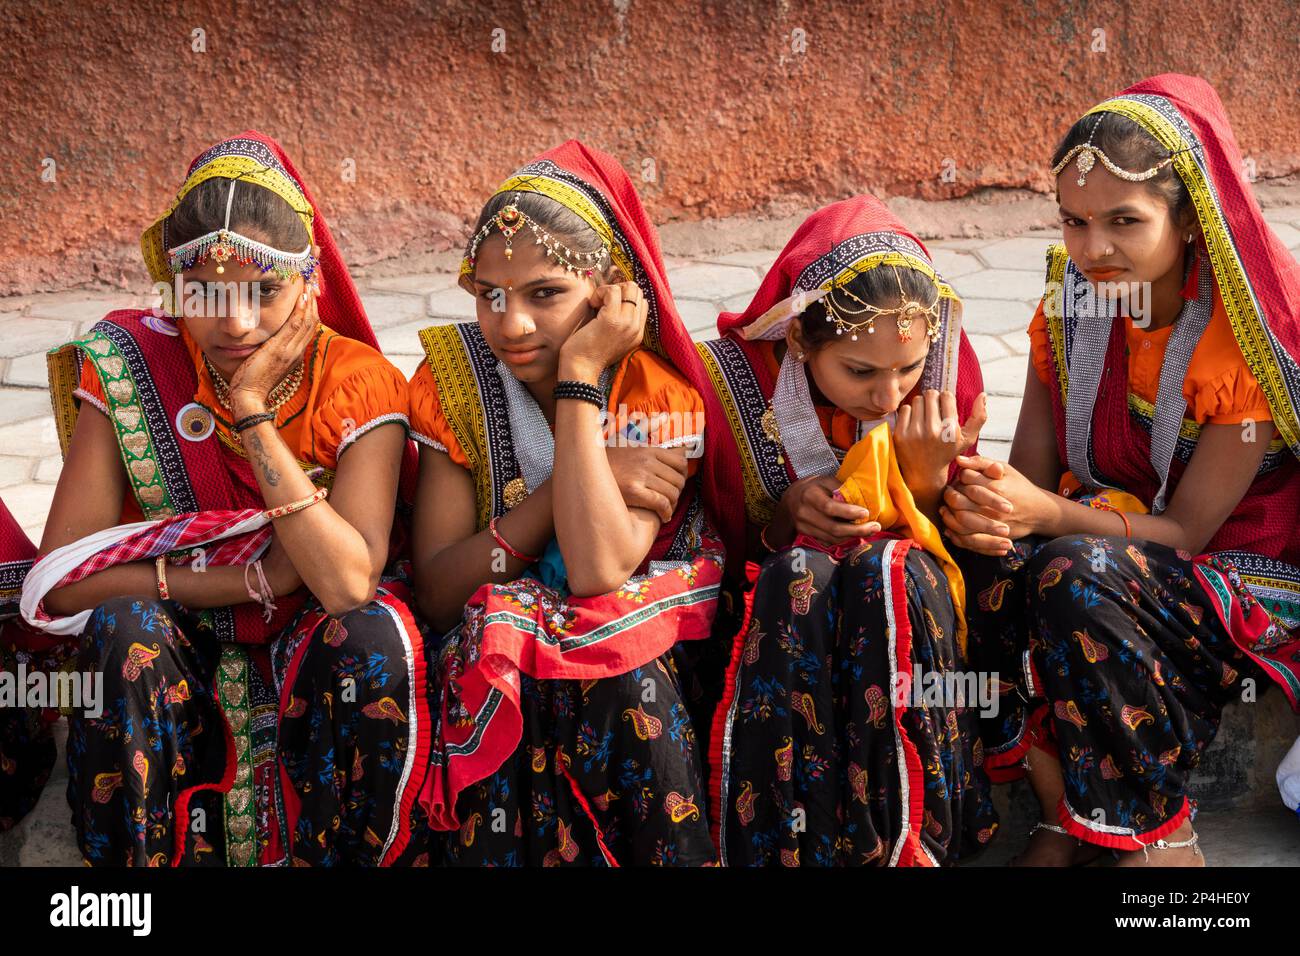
(139, 456)
(240, 816)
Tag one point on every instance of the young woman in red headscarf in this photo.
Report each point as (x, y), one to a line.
(559, 541)
(1141, 558)
(217, 540)
(843, 736)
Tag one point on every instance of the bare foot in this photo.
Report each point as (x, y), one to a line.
(1154, 855)
(1049, 848)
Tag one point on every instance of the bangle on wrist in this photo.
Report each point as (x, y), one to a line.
(160, 570)
(762, 537)
(581, 391)
(505, 545)
(1100, 506)
(294, 506)
(248, 421)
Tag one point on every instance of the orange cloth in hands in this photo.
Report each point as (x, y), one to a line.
(871, 479)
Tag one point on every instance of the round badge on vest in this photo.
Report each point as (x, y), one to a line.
(194, 422)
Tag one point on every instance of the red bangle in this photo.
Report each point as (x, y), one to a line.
(1128, 528)
(293, 507)
(526, 558)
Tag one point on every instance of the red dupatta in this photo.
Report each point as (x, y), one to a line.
(1254, 557)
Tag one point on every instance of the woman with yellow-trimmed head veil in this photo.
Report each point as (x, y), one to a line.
(843, 384)
(216, 546)
(1136, 561)
(559, 543)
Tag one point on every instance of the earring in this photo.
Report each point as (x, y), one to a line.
(798, 357)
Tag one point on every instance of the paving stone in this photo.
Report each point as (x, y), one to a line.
(14, 470)
(952, 263)
(24, 335)
(45, 837)
(1005, 376)
(29, 503)
(28, 370)
(1017, 342)
(698, 316)
(1282, 214)
(737, 303)
(18, 404)
(79, 307)
(1020, 252)
(403, 339)
(760, 259)
(1289, 234)
(712, 283)
(996, 316)
(420, 285)
(48, 470)
(385, 310)
(1004, 411)
(987, 347)
(35, 437)
(992, 448)
(409, 364)
(1000, 284)
(453, 303)
(964, 245)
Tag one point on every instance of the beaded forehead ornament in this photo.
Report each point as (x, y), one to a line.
(1087, 156)
(907, 311)
(224, 244)
(509, 220)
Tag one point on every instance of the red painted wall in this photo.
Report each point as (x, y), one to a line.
(737, 110)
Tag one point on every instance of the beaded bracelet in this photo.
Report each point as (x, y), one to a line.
(581, 391)
(526, 558)
(294, 506)
(248, 421)
(160, 568)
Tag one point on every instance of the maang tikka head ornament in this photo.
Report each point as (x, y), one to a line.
(1088, 154)
(509, 219)
(222, 245)
(908, 311)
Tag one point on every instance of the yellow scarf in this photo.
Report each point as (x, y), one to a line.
(871, 479)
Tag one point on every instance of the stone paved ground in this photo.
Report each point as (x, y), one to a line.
(999, 280)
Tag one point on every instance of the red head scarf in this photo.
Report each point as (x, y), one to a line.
(849, 236)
